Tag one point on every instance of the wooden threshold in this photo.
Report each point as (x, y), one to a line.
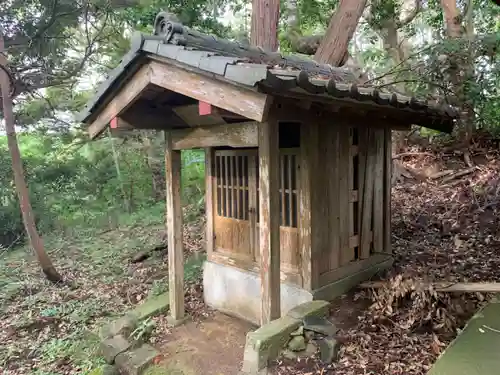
(351, 268)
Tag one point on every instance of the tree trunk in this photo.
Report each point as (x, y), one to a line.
(451, 18)
(462, 68)
(264, 28)
(17, 167)
(333, 47)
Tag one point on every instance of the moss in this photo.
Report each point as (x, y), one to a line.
(151, 307)
(475, 350)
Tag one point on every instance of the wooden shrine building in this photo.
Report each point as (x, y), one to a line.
(298, 164)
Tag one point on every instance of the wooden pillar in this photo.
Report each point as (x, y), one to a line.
(387, 190)
(308, 203)
(174, 229)
(269, 223)
(209, 178)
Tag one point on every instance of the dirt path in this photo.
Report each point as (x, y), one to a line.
(213, 347)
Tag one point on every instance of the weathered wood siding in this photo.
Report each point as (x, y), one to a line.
(351, 218)
(334, 204)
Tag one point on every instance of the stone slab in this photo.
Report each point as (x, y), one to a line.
(237, 292)
(476, 351)
(319, 325)
(265, 343)
(135, 362)
(312, 308)
(122, 326)
(152, 306)
(111, 347)
(104, 370)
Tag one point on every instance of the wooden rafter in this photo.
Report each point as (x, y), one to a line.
(231, 100)
(245, 102)
(124, 99)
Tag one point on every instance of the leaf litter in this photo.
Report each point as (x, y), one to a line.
(440, 232)
(44, 329)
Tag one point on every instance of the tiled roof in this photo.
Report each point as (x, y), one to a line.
(253, 67)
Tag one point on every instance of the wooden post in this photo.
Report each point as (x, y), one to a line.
(387, 190)
(269, 221)
(378, 193)
(209, 194)
(367, 198)
(307, 204)
(174, 229)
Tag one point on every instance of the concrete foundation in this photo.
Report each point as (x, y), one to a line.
(237, 292)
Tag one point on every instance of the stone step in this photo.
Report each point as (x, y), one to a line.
(476, 350)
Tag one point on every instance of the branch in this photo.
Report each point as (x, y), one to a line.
(393, 69)
(42, 80)
(26, 40)
(413, 81)
(410, 16)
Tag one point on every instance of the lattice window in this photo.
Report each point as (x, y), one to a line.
(288, 188)
(232, 185)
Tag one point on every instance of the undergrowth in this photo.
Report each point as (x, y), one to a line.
(45, 328)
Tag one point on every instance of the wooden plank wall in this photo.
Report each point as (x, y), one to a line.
(351, 176)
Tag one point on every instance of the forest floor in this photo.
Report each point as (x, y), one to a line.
(442, 231)
(44, 328)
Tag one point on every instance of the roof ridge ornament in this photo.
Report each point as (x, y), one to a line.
(168, 26)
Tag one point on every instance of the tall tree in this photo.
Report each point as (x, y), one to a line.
(17, 167)
(329, 48)
(343, 24)
(386, 19)
(460, 31)
(264, 26)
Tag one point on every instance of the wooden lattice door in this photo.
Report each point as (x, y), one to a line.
(236, 209)
(234, 200)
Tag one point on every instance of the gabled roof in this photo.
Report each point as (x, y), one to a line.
(251, 67)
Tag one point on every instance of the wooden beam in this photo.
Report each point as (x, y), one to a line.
(442, 286)
(142, 116)
(367, 197)
(209, 195)
(122, 100)
(174, 229)
(269, 224)
(245, 102)
(359, 111)
(308, 159)
(191, 116)
(227, 114)
(119, 123)
(353, 268)
(233, 135)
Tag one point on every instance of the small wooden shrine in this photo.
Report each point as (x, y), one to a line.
(298, 164)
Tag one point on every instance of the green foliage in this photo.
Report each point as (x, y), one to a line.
(74, 184)
(144, 330)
